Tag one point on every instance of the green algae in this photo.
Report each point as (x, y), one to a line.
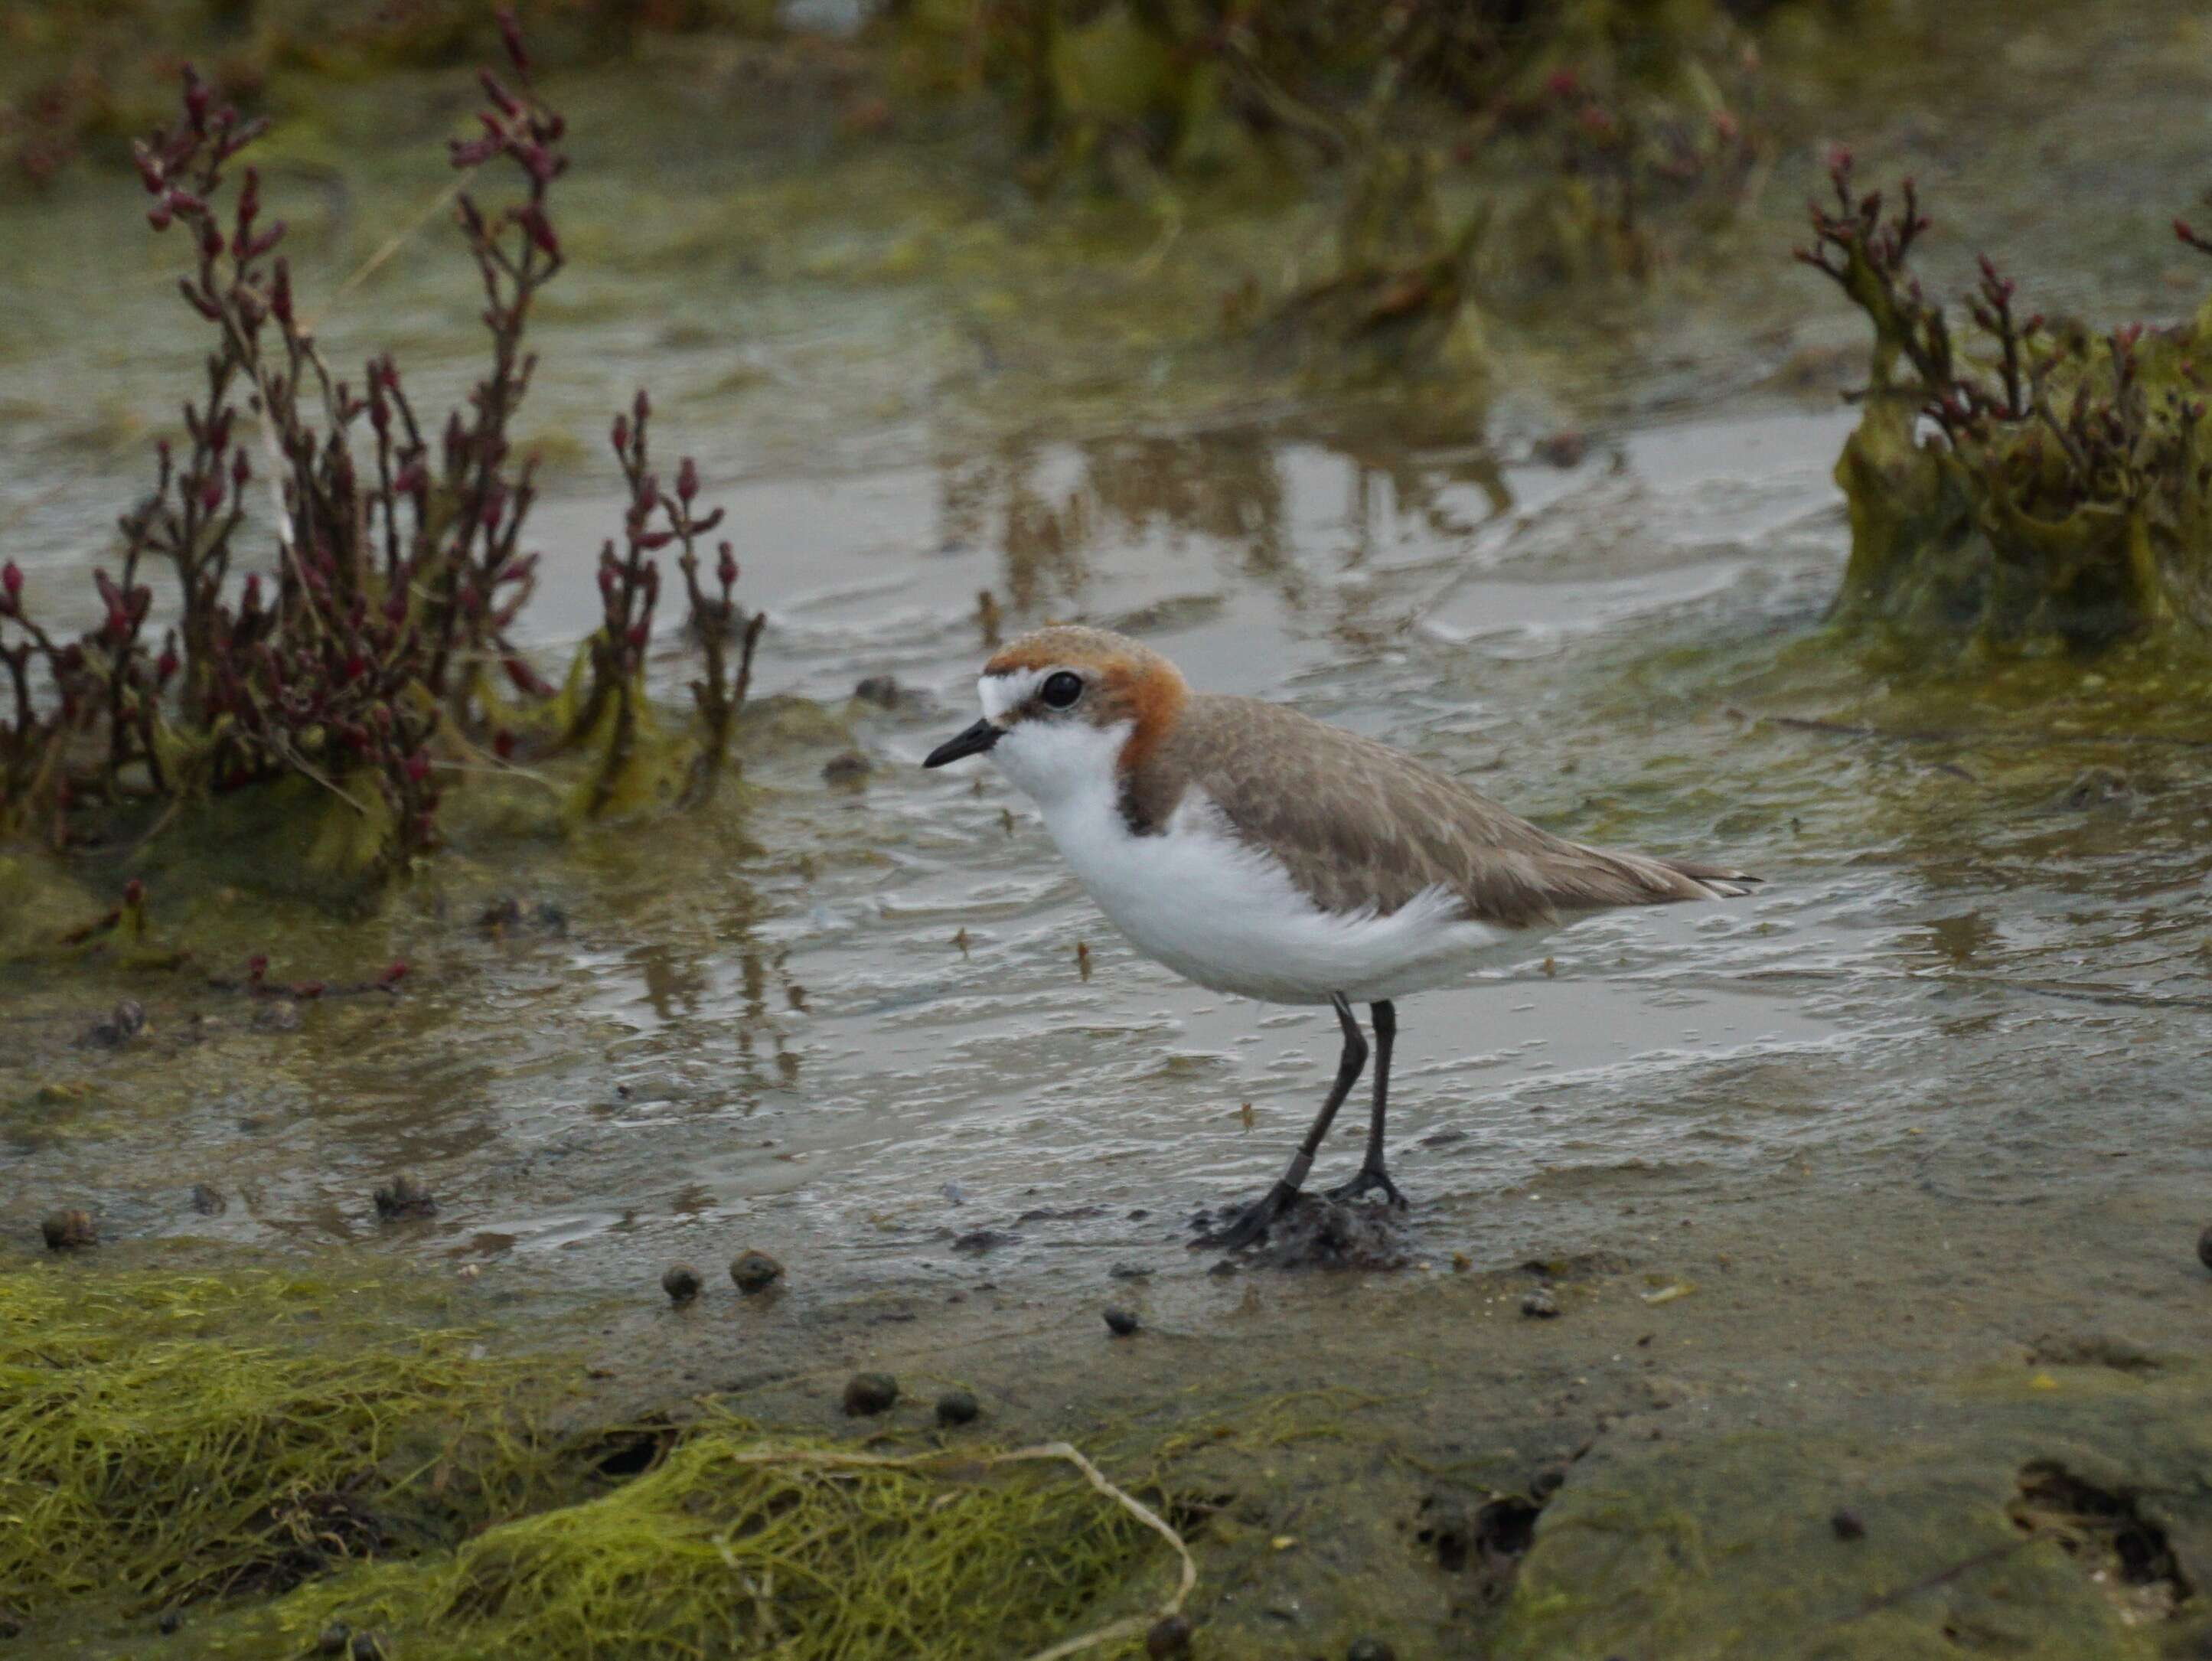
(256, 1441)
(169, 1437)
(736, 1543)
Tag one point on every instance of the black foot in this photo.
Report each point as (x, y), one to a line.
(1252, 1223)
(1370, 1176)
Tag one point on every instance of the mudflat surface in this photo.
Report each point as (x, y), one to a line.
(1873, 1194)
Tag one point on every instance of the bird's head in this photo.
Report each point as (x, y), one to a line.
(1069, 710)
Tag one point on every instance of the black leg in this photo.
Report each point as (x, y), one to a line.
(1371, 1173)
(1252, 1222)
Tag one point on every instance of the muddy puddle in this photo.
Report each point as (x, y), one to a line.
(1822, 1165)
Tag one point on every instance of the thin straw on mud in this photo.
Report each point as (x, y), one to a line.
(1129, 1627)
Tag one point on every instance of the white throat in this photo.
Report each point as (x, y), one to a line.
(1066, 767)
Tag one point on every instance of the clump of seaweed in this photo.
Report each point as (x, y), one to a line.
(81, 77)
(1591, 139)
(171, 1437)
(369, 667)
(302, 1453)
(733, 1544)
(2035, 484)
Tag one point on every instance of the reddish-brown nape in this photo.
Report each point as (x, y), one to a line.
(1153, 693)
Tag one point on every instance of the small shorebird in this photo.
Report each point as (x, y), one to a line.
(1254, 850)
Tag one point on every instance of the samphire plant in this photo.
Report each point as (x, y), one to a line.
(371, 664)
(2034, 484)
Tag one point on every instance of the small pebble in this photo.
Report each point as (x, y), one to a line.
(403, 1197)
(1121, 1323)
(1562, 449)
(957, 1406)
(125, 1022)
(207, 1200)
(851, 768)
(1847, 1526)
(1369, 1649)
(867, 1394)
(1170, 1635)
(67, 1231)
(2204, 1248)
(333, 1639)
(755, 1272)
(681, 1282)
(1540, 1304)
(281, 1016)
(882, 690)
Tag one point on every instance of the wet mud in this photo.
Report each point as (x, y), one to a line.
(1860, 1217)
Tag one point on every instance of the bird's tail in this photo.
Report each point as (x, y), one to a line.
(1725, 884)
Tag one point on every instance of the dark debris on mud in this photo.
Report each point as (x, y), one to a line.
(1319, 1232)
(2127, 1552)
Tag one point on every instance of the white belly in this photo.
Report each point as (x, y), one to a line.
(1224, 914)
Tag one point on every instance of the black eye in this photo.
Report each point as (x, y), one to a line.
(1061, 689)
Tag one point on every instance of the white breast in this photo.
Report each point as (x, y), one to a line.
(1226, 914)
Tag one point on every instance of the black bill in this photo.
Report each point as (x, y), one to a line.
(973, 742)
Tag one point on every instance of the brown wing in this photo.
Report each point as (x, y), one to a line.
(1369, 826)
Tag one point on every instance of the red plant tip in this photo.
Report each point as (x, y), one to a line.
(159, 217)
(1563, 83)
(252, 599)
(643, 406)
(499, 95)
(636, 636)
(502, 745)
(607, 580)
(165, 666)
(620, 434)
(395, 974)
(134, 892)
(2181, 229)
(419, 767)
(119, 622)
(1838, 162)
(687, 480)
(256, 967)
(525, 679)
(539, 230)
(11, 581)
(305, 988)
(510, 35)
(240, 470)
(198, 96)
(727, 568)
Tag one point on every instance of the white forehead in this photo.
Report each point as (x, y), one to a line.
(1008, 690)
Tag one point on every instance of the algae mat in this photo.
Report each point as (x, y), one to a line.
(261, 1462)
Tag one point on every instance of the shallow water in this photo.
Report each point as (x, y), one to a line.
(853, 1027)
